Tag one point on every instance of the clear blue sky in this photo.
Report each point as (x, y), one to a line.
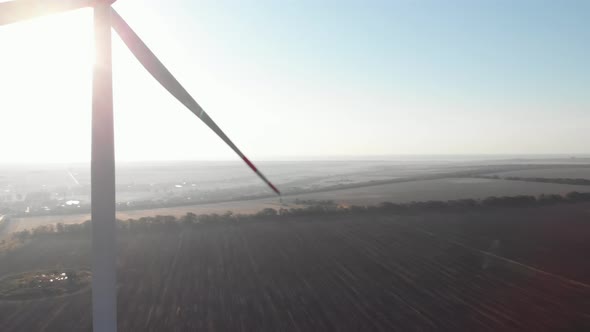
(325, 78)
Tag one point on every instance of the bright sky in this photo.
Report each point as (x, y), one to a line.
(309, 78)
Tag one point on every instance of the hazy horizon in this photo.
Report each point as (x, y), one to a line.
(335, 158)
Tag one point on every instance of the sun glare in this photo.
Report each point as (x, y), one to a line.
(46, 88)
(45, 81)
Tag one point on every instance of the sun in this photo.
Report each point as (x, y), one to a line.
(45, 84)
(57, 42)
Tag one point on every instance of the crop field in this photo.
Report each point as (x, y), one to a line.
(564, 173)
(442, 189)
(365, 272)
(213, 181)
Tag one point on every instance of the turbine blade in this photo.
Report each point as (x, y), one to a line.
(19, 10)
(151, 63)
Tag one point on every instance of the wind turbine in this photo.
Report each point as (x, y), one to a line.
(104, 286)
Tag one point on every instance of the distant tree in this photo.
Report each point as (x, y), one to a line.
(575, 196)
(357, 208)
(22, 235)
(228, 215)
(549, 199)
(267, 212)
(189, 218)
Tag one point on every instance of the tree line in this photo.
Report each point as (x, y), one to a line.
(313, 208)
(575, 181)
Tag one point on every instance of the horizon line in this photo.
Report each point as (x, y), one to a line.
(312, 158)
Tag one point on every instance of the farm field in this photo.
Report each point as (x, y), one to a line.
(565, 173)
(204, 175)
(442, 189)
(214, 181)
(376, 272)
(549, 238)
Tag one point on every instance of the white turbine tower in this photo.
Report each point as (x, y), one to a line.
(104, 286)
